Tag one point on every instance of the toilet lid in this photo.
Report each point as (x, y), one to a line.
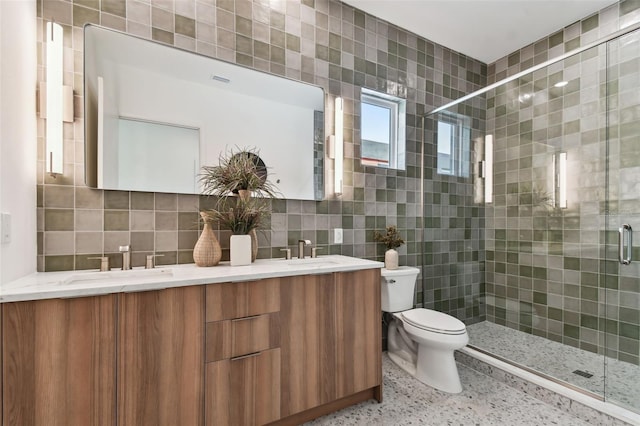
(435, 321)
(399, 271)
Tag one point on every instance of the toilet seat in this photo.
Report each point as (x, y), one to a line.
(433, 321)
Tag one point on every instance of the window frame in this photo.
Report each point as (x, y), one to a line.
(397, 121)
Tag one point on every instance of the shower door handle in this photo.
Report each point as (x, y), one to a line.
(625, 229)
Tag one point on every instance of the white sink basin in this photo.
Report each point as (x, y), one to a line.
(316, 261)
(115, 277)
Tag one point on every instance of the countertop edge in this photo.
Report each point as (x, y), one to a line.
(46, 285)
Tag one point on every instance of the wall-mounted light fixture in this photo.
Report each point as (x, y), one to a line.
(56, 100)
(338, 145)
(487, 169)
(560, 180)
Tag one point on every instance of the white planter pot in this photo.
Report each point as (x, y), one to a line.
(391, 259)
(240, 250)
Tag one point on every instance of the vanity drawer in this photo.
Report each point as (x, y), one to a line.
(242, 336)
(237, 300)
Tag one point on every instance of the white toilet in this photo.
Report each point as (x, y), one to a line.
(421, 341)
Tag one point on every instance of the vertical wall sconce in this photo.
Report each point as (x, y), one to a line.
(487, 169)
(56, 100)
(339, 145)
(560, 180)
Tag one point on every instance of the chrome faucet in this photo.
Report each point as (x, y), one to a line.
(126, 257)
(287, 253)
(301, 244)
(150, 263)
(104, 262)
(314, 251)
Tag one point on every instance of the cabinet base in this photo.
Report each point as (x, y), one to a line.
(331, 407)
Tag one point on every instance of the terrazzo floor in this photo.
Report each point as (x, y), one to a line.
(559, 361)
(483, 401)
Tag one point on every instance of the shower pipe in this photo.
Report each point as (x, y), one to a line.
(545, 64)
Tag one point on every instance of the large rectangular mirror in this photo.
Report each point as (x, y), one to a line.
(155, 114)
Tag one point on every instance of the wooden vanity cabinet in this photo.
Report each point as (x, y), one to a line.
(59, 361)
(308, 345)
(331, 344)
(160, 363)
(243, 353)
(358, 333)
(271, 351)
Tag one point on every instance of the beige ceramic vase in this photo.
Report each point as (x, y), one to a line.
(391, 259)
(207, 251)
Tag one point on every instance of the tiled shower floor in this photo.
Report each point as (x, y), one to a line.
(559, 361)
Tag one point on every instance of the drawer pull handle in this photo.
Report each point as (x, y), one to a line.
(245, 318)
(134, 290)
(245, 356)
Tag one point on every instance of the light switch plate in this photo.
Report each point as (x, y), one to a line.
(337, 236)
(5, 228)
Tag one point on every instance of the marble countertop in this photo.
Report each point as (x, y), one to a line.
(68, 284)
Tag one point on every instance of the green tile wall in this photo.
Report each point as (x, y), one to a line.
(323, 42)
(567, 281)
(454, 222)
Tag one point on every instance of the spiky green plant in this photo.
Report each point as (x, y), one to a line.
(240, 215)
(239, 169)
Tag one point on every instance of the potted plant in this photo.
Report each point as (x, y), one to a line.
(240, 171)
(242, 217)
(392, 241)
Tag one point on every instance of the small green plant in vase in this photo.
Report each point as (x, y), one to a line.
(392, 240)
(240, 172)
(242, 216)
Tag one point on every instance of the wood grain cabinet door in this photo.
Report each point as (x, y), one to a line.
(160, 360)
(358, 331)
(242, 299)
(242, 336)
(59, 362)
(307, 341)
(244, 391)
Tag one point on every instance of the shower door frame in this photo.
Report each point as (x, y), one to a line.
(620, 257)
(603, 41)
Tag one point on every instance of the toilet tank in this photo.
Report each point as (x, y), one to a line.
(398, 287)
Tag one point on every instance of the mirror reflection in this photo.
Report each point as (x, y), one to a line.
(454, 144)
(155, 115)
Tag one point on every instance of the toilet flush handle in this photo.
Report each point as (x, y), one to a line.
(391, 281)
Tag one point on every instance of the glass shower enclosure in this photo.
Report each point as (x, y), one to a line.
(546, 167)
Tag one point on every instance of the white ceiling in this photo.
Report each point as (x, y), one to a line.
(486, 30)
